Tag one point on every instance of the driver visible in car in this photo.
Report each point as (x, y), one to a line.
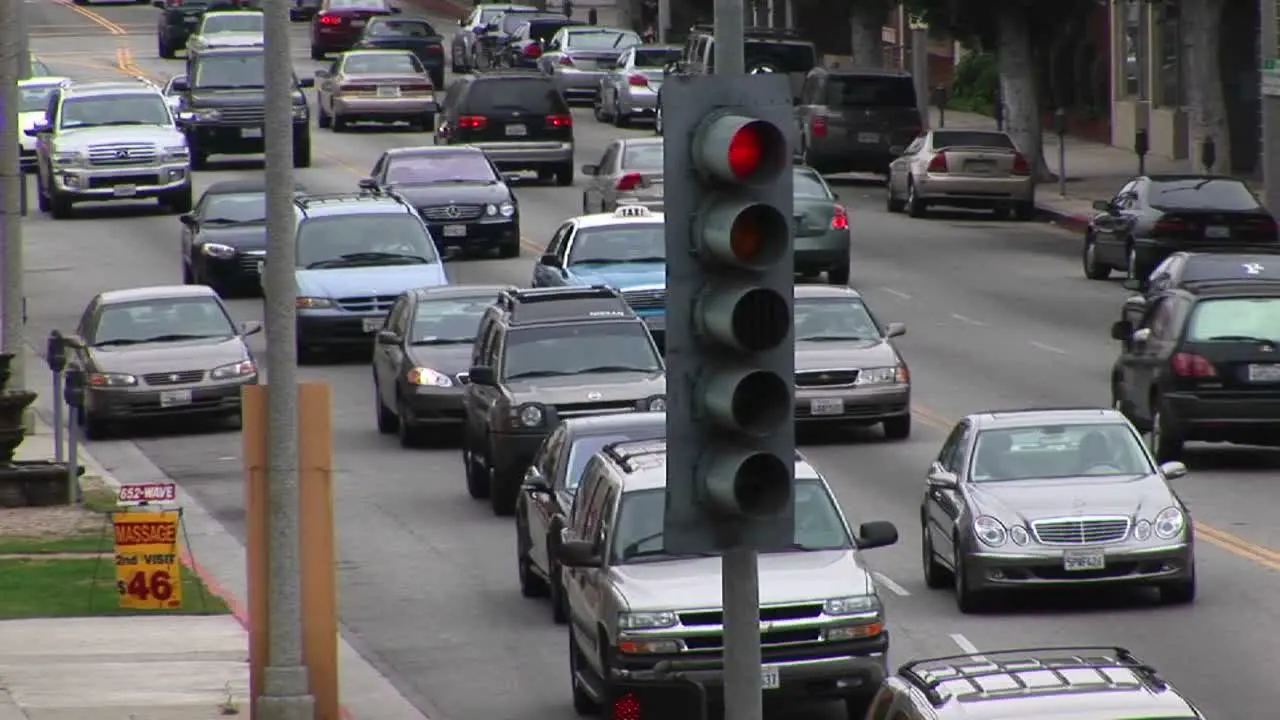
(1096, 456)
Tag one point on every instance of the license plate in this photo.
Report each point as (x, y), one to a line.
(826, 406)
(357, 23)
(455, 231)
(388, 91)
(191, 19)
(1217, 231)
(981, 166)
(770, 678)
(124, 190)
(1269, 372)
(175, 398)
(372, 325)
(868, 137)
(250, 133)
(517, 131)
(1082, 561)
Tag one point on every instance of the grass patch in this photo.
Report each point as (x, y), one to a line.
(31, 588)
(87, 543)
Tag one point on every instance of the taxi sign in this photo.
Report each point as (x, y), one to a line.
(148, 564)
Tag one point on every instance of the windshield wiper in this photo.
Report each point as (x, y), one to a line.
(230, 87)
(368, 257)
(801, 547)
(539, 373)
(1238, 338)
(617, 368)
(230, 221)
(174, 337)
(444, 341)
(632, 551)
(833, 338)
(118, 341)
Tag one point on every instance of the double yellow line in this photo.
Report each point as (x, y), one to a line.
(93, 17)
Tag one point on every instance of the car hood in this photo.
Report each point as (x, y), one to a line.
(365, 281)
(81, 138)
(205, 354)
(448, 359)
(237, 97)
(434, 194)
(623, 276)
(845, 355)
(694, 583)
(1025, 501)
(233, 39)
(580, 388)
(250, 236)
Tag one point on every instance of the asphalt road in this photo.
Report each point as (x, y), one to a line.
(998, 316)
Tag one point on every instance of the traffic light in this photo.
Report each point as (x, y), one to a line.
(730, 280)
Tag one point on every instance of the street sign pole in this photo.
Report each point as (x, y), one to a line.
(11, 186)
(1270, 90)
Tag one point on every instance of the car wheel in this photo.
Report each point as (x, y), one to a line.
(509, 249)
(178, 201)
(188, 275)
(839, 275)
(555, 591)
(502, 490)
(1182, 592)
(564, 174)
(477, 482)
(1166, 441)
(936, 575)
(302, 151)
(620, 120)
(323, 119)
(1093, 269)
(892, 203)
(968, 601)
(42, 197)
(387, 420)
(597, 110)
(1024, 211)
(1131, 269)
(531, 584)
(60, 205)
(409, 435)
(92, 427)
(164, 50)
(916, 206)
(317, 54)
(897, 428)
(583, 703)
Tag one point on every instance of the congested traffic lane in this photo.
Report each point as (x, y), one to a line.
(996, 317)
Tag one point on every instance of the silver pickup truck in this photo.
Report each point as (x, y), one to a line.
(640, 617)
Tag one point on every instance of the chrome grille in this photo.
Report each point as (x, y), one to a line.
(123, 154)
(595, 408)
(373, 303)
(249, 261)
(451, 213)
(788, 625)
(1081, 531)
(181, 377)
(646, 299)
(826, 378)
(243, 114)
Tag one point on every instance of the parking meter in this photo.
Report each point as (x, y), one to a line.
(1060, 127)
(55, 353)
(1208, 154)
(1141, 145)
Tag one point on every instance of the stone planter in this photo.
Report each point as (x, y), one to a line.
(25, 483)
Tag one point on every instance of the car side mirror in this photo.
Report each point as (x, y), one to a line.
(180, 85)
(250, 327)
(188, 219)
(879, 533)
(1102, 205)
(895, 330)
(387, 337)
(1121, 330)
(573, 552)
(1135, 305)
(306, 82)
(591, 170)
(1141, 336)
(37, 129)
(943, 480)
(534, 481)
(897, 150)
(368, 183)
(1173, 470)
(550, 260)
(482, 375)
(74, 342)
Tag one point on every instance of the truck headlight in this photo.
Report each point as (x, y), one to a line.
(68, 159)
(244, 368)
(1170, 523)
(506, 209)
(218, 250)
(882, 376)
(852, 605)
(312, 303)
(202, 115)
(177, 152)
(112, 380)
(429, 377)
(531, 416)
(990, 531)
(647, 620)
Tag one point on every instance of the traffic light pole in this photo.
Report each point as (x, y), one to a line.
(730, 29)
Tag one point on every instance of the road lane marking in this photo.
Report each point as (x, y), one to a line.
(895, 293)
(888, 584)
(1048, 348)
(93, 17)
(967, 320)
(1238, 546)
(967, 647)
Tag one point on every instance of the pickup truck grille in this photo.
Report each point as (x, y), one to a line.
(122, 154)
(243, 114)
(379, 303)
(569, 410)
(792, 625)
(771, 638)
(646, 299)
(249, 261)
(767, 613)
(452, 213)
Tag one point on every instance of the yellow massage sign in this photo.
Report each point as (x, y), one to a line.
(148, 564)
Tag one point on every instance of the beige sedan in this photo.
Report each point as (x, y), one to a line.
(961, 168)
(382, 86)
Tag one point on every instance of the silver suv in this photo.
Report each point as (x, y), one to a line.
(110, 141)
(641, 617)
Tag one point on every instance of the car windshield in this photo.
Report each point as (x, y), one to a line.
(833, 319)
(239, 70)
(1201, 194)
(601, 40)
(161, 320)
(488, 15)
(638, 530)
(808, 185)
(453, 322)
(971, 138)
(1235, 319)
(382, 64)
(619, 244)
(246, 22)
(34, 98)
(644, 157)
(440, 167)
(401, 28)
(576, 348)
(99, 110)
(1043, 452)
(877, 91)
(347, 240)
(236, 208)
(656, 58)
(583, 448)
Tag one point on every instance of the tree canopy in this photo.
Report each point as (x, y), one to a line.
(977, 20)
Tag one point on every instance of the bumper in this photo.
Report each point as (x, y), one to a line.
(147, 402)
(233, 139)
(391, 108)
(525, 155)
(578, 83)
(336, 328)
(433, 406)
(239, 270)
(1125, 565)
(122, 183)
(637, 103)
(819, 252)
(476, 235)
(1241, 418)
(855, 404)
(974, 191)
(339, 40)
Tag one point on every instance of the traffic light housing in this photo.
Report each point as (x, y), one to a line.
(730, 286)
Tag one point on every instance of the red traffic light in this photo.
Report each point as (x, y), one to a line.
(747, 150)
(736, 149)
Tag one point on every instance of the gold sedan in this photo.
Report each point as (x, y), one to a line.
(382, 86)
(961, 168)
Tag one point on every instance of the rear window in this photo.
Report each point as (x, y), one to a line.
(375, 63)
(806, 184)
(870, 91)
(781, 57)
(542, 31)
(532, 95)
(1201, 194)
(656, 58)
(358, 4)
(402, 28)
(1235, 319)
(966, 138)
(513, 20)
(601, 40)
(647, 156)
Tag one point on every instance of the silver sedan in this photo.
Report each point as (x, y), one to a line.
(577, 58)
(629, 173)
(630, 90)
(962, 168)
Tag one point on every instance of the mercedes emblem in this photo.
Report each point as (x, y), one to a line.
(453, 211)
(175, 377)
(594, 396)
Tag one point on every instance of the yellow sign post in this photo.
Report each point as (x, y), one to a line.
(148, 564)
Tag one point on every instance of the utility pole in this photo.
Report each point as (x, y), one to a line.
(286, 687)
(730, 31)
(920, 66)
(21, 20)
(664, 21)
(1270, 14)
(11, 186)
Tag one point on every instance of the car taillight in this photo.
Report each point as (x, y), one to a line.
(840, 221)
(532, 50)
(435, 49)
(938, 164)
(1020, 165)
(637, 81)
(1171, 226)
(566, 61)
(629, 182)
(472, 122)
(1192, 365)
(330, 20)
(818, 126)
(559, 121)
(1262, 225)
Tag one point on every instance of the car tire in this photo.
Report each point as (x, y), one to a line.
(323, 119)
(437, 78)
(188, 274)
(1166, 442)
(427, 123)
(839, 275)
(199, 159)
(555, 592)
(302, 150)
(164, 50)
(317, 54)
(388, 423)
(1024, 211)
(179, 201)
(968, 601)
(916, 206)
(597, 110)
(1182, 592)
(531, 584)
(620, 120)
(857, 704)
(410, 436)
(892, 204)
(93, 428)
(502, 489)
(510, 249)
(60, 205)
(898, 427)
(338, 123)
(1093, 268)
(42, 197)
(657, 121)
(936, 575)
(477, 482)
(564, 174)
(583, 703)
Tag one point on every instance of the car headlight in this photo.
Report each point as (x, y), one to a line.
(300, 112)
(218, 250)
(112, 380)
(427, 376)
(656, 404)
(1019, 535)
(490, 209)
(531, 416)
(68, 159)
(177, 152)
(882, 376)
(203, 115)
(1170, 523)
(507, 209)
(647, 620)
(990, 531)
(244, 368)
(312, 303)
(853, 605)
(1142, 530)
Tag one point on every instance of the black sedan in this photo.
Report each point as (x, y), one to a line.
(421, 358)
(1154, 216)
(459, 193)
(224, 238)
(549, 486)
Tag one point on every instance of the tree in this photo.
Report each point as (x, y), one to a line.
(1202, 32)
(867, 20)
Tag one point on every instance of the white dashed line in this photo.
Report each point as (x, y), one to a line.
(896, 293)
(1048, 348)
(967, 646)
(967, 320)
(888, 584)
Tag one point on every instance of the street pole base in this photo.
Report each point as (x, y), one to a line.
(300, 707)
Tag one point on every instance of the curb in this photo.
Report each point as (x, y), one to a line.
(1074, 222)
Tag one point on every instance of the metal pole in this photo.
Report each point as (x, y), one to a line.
(1270, 108)
(73, 451)
(59, 421)
(20, 20)
(286, 688)
(920, 68)
(791, 14)
(730, 29)
(11, 181)
(664, 20)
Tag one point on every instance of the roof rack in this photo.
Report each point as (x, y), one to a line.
(648, 452)
(1017, 662)
(540, 305)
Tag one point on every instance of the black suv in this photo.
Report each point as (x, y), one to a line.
(541, 356)
(180, 18)
(222, 106)
(1202, 363)
(517, 117)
